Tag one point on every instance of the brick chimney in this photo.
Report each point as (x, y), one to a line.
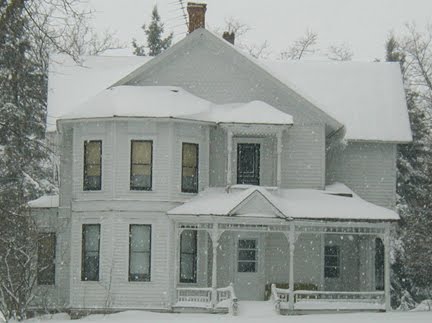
(196, 13)
(229, 36)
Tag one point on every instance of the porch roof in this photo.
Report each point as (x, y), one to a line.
(336, 202)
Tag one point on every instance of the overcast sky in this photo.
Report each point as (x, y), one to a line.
(362, 24)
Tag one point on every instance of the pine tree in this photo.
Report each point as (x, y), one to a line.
(414, 184)
(154, 35)
(24, 160)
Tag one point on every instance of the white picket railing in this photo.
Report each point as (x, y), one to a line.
(206, 297)
(194, 297)
(281, 298)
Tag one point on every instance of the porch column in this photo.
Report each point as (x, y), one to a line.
(229, 158)
(292, 240)
(386, 242)
(279, 159)
(215, 244)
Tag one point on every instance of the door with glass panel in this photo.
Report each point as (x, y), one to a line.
(249, 284)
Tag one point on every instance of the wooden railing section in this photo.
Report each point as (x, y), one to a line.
(281, 297)
(208, 298)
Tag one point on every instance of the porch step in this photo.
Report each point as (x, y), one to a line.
(257, 309)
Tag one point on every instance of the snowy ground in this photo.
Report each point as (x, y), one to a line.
(250, 312)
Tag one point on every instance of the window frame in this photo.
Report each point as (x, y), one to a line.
(85, 187)
(248, 142)
(131, 164)
(131, 275)
(256, 250)
(83, 253)
(194, 256)
(39, 281)
(337, 267)
(195, 189)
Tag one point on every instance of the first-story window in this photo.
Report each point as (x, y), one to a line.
(188, 256)
(90, 252)
(189, 168)
(247, 256)
(139, 252)
(141, 165)
(379, 264)
(46, 259)
(331, 261)
(92, 165)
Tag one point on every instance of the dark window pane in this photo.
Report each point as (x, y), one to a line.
(247, 255)
(188, 256)
(90, 252)
(139, 252)
(190, 153)
(92, 165)
(46, 259)
(141, 165)
(247, 244)
(331, 272)
(246, 267)
(248, 164)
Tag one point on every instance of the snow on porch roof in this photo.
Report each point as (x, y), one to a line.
(337, 202)
(174, 102)
(45, 201)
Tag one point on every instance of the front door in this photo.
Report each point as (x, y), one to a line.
(248, 283)
(248, 164)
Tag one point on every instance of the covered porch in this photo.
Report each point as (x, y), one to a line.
(257, 252)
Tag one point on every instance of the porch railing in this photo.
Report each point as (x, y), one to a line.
(207, 297)
(281, 297)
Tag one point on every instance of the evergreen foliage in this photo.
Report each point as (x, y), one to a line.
(24, 162)
(413, 256)
(156, 44)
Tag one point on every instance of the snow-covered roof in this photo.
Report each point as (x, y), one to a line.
(71, 83)
(367, 97)
(336, 202)
(173, 102)
(45, 201)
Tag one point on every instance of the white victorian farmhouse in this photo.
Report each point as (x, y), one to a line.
(203, 176)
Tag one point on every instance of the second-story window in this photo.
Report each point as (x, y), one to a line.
(92, 165)
(141, 165)
(189, 168)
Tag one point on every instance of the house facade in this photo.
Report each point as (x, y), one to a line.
(203, 176)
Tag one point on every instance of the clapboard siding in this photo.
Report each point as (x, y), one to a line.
(303, 157)
(113, 290)
(369, 169)
(47, 220)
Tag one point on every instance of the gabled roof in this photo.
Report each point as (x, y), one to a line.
(367, 98)
(336, 202)
(174, 102)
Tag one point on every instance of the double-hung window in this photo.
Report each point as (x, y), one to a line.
(141, 165)
(188, 256)
(331, 261)
(189, 168)
(46, 259)
(139, 252)
(92, 165)
(90, 252)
